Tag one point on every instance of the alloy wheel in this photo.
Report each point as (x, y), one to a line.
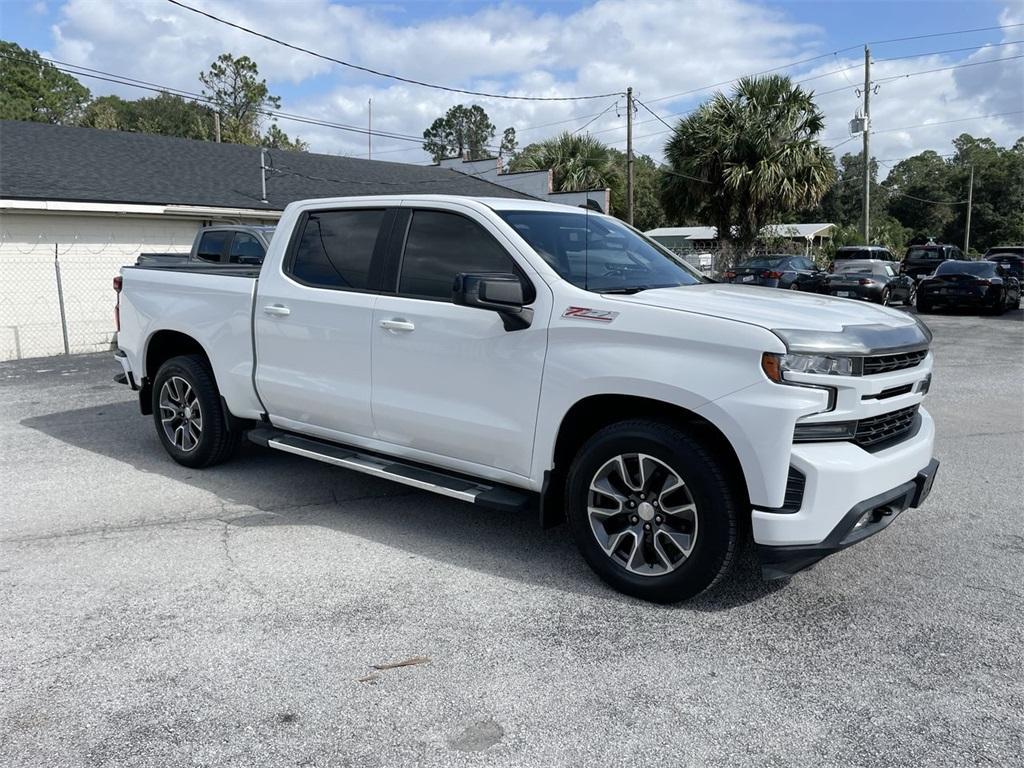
(642, 514)
(180, 414)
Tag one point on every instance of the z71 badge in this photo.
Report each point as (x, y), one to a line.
(586, 313)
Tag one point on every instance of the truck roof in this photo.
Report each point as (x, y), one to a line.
(494, 203)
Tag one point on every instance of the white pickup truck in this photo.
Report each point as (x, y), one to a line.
(526, 355)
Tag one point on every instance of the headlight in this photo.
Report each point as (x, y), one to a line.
(775, 366)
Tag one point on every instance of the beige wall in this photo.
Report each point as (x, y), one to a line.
(90, 250)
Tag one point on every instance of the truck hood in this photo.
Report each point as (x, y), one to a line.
(804, 321)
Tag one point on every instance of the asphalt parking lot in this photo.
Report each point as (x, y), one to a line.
(156, 615)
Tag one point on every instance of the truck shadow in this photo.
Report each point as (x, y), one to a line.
(262, 487)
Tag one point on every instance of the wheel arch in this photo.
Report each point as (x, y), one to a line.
(590, 414)
(160, 347)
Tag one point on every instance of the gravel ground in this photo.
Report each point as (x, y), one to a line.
(156, 615)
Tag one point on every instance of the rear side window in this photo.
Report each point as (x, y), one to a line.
(336, 249)
(439, 246)
(212, 244)
(245, 249)
(924, 253)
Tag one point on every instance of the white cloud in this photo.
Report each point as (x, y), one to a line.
(658, 46)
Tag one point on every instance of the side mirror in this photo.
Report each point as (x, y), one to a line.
(501, 293)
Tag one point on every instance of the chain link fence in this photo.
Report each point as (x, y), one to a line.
(58, 298)
(713, 262)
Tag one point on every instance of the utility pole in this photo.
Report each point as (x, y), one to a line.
(970, 200)
(867, 146)
(629, 153)
(216, 126)
(263, 174)
(369, 129)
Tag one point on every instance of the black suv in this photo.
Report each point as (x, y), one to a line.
(1009, 257)
(922, 260)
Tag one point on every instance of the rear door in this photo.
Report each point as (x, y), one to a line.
(312, 323)
(449, 380)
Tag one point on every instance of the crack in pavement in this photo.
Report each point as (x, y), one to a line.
(217, 517)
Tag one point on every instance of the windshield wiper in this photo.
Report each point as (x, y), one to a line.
(637, 288)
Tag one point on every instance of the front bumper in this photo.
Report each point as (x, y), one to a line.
(863, 520)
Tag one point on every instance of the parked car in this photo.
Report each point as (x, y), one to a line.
(982, 285)
(219, 244)
(922, 260)
(1010, 257)
(797, 273)
(871, 280)
(521, 354)
(861, 253)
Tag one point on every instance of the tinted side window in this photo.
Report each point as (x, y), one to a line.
(336, 248)
(439, 246)
(245, 249)
(211, 246)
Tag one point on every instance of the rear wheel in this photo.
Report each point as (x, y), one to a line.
(187, 412)
(652, 511)
(911, 296)
(794, 286)
(886, 297)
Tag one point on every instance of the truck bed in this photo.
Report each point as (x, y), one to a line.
(212, 304)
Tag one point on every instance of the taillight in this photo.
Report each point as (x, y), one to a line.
(983, 282)
(772, 275)
(865, 281)
(729, 275)
(117, 306)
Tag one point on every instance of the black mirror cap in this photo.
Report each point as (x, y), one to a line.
(501, 293)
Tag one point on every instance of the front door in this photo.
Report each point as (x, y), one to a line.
(449, 380)
(312, 324)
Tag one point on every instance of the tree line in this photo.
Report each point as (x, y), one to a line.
(33, 89)
(754, 157)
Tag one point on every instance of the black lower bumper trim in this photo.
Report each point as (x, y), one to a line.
(862, 521)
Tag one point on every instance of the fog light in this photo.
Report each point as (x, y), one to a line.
(925, 385)
(834, 430)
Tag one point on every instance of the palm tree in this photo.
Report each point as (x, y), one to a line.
(577, 162)
(740, 160)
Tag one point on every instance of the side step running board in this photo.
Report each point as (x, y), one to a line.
(454, 486)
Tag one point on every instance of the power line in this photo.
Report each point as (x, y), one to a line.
(945, 69)
(596, 117)
(97, 74)
(944, 34)
(752, 74)
(947, 122)
(387, 75)
(654, 113)
(947, 50)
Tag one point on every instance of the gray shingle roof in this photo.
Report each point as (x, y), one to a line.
(51, 162)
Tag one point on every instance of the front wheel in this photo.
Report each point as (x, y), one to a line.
(187, 412)
(911, 297)
(652, 511)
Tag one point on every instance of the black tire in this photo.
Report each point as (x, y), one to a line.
(924, 307)
(215, 443)
(794, 286)
(717, 503)
(911, 296)
(886, 297)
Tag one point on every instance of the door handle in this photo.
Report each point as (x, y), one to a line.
(278, 310)
(397, 324)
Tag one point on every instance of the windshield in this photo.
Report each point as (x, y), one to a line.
(599, 253)
(979, 268)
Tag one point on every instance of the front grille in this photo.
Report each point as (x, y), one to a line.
(888, 427)
(887, 363)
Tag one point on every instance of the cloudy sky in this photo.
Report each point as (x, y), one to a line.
(670, 52)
